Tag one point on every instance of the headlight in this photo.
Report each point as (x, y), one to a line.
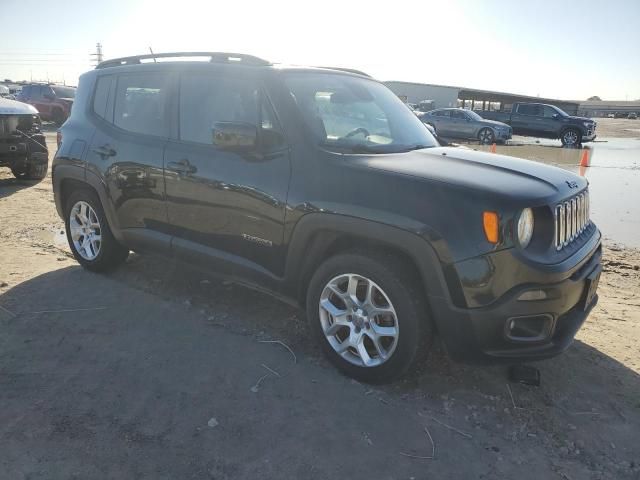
(525, 227)
(587, 124)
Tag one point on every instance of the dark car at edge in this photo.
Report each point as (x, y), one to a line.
(321, 187)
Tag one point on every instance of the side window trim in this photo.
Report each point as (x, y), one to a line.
(265, 101)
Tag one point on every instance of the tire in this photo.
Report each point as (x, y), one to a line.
(98, 255)
(31, 171)
(393, 286)
(58, 117)
(486, 136)
(571, 137)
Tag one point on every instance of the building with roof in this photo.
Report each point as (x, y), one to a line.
(475, 99)
(602, 108)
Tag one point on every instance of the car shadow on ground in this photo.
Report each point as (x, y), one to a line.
(130, 340)
(10, 185)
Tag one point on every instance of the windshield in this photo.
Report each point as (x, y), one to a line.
(474, 115)
(355, 115)
(64, 92)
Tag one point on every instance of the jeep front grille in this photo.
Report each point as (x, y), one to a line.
(571, 218)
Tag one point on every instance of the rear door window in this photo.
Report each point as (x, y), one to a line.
(533, 110)
(141, 103)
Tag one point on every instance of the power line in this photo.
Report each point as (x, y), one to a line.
(39, 54)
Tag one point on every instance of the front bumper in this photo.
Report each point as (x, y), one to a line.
(503, 135)
(481, 335)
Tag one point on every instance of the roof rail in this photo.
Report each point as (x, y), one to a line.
(214, 57)
(349, 70)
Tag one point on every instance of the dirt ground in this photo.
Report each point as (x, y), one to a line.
(154, 372)
(617, 127)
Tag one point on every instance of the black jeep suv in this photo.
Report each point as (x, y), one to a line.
(320, 186)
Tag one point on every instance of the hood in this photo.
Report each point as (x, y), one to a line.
(580, 119)
(13, 107)
(494, 123)
(499, 175)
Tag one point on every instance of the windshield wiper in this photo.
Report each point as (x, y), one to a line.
(357, 148)
(379, 149)
(410, 148)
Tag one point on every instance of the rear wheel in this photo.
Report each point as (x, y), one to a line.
(486, 136)
(58, 117)
(571, 137)
(368, 315)
(88, 233)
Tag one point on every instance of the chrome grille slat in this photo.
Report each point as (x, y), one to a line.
(571, 219)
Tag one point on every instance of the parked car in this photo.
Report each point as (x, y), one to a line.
(546, 121)
(5, 93)
(322, 187)
(632, 116)
(53, 102)
(611, 115)
(466, 124)
(22, 145)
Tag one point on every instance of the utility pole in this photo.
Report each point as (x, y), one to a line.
(98, 55)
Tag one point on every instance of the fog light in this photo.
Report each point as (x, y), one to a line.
(532, 295)
(530, 328)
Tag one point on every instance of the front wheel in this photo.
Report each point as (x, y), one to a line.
(88, 233)
(31, 171)
(571, 138)
(486, 136)
(369, 316)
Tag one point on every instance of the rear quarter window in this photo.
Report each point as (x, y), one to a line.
(101, 97)
(141, 102)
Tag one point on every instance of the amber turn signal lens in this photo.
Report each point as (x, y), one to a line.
(490, 223)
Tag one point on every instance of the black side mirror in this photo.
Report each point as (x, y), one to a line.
(237, 136)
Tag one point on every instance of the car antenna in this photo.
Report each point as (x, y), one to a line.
(154, 58)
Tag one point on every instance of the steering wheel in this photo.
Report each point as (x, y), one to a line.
(356, 131)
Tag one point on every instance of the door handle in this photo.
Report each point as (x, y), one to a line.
(183, 167)
(104, 151)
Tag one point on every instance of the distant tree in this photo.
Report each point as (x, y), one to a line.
(595, 98)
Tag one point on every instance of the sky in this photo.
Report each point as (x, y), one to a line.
(565, 49)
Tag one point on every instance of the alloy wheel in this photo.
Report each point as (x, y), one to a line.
(486, 136)
(86, 233)
(358, 320)
(570, 137)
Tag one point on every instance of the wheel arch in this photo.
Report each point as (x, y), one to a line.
(72, 179)
(318, 236)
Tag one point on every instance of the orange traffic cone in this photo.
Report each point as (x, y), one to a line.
(493, 148)
(584, 159)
